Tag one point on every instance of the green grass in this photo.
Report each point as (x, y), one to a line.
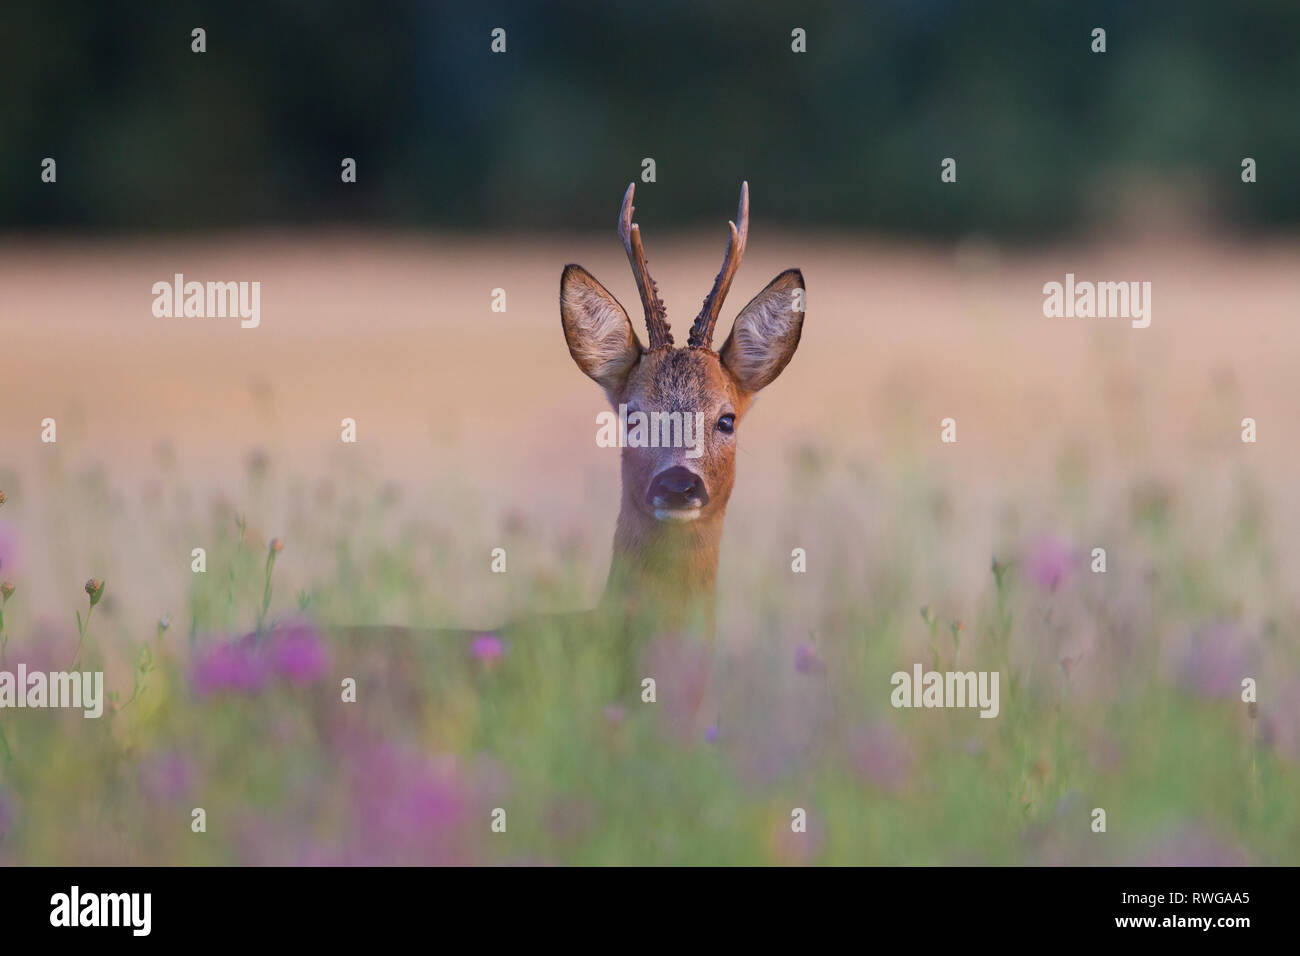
(411, 772)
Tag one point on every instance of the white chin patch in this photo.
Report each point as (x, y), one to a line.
(677, 514)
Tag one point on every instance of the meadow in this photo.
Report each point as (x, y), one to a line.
(1119, 690)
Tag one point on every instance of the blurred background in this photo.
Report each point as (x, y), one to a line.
(1050, 137)
(478, 172)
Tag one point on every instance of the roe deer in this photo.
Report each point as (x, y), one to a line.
(664, 569)
(663, 572)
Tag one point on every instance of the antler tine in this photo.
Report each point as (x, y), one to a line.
(702, 331)
(656, 316)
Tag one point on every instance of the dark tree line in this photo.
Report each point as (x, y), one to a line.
(150, 135)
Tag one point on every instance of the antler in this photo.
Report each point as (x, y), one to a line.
(701, 336)
(656, 316)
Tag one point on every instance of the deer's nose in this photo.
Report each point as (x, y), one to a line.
(677, 487)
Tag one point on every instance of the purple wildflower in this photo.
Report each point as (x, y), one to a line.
(234, 667)
(405, 808)
(1050, 562)
(487, 648)
(807, 660)
(298, 654)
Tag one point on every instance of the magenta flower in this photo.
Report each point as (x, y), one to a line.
(294, 653)
(298, 654)
(487, 648)
(406, 809)
(233, 667)
(711, 733)
(807, 660)
(1050, 562)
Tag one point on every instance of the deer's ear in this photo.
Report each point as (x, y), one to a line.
(766, 333)
(597, 329)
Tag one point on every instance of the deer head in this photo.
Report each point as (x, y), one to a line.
(681, 490)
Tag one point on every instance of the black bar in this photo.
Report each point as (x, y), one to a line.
(334, 906)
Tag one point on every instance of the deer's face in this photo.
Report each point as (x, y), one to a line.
(685, 479)
(686, 402)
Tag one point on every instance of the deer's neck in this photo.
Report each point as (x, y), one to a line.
(665, 574)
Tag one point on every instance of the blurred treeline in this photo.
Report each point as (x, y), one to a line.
(149, 135)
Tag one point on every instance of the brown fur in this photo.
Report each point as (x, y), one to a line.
(668, 570)
(663, 573)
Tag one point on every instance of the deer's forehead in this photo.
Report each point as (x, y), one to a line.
(680, 378)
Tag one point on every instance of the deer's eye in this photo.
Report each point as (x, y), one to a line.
(727, 424)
